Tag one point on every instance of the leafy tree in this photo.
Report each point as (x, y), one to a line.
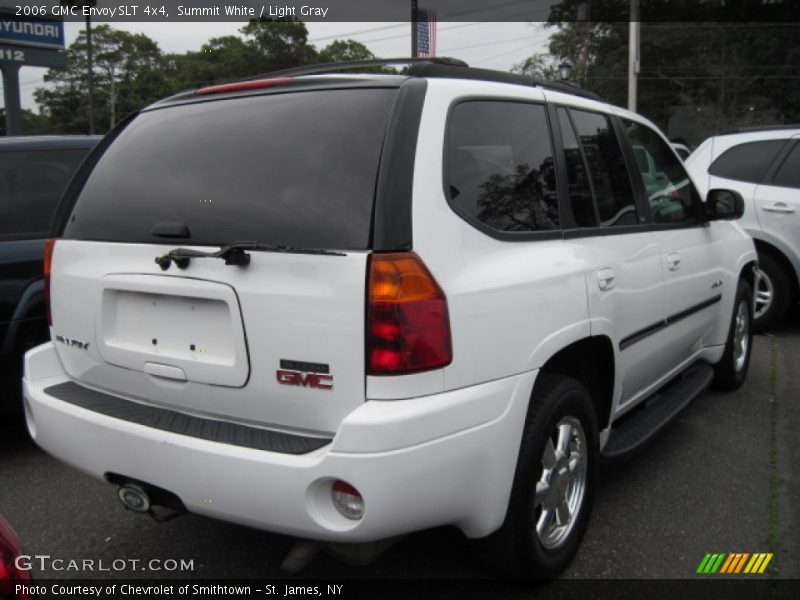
(32, 123)
(219, 59)
(127, 72)
(282, 43)
(730, 73)
(344, 50)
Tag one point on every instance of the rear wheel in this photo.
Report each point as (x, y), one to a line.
(553, 488)
(773, 293)
(730, 372)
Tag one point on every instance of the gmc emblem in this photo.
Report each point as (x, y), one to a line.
(319, 381)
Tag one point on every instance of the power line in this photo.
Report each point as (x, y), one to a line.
(525, 37)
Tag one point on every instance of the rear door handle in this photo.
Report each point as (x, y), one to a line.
(779, 207)
(605, 279)
(674, 261)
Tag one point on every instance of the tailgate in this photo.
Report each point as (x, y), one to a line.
(279, 342)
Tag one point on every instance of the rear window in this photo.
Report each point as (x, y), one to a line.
(295, 169)
(31, 184)
(746, 162)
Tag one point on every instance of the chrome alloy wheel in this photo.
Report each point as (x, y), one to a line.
(763, 295)
(562, 486)
(741, 337)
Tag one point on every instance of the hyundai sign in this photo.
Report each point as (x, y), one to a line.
(30, 31)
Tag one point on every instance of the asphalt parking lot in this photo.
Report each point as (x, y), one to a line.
(724, 477)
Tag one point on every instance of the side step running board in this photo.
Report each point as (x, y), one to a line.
(647, 421)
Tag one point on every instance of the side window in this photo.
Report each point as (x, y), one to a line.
(669, 190)
(500, 168)
(746, 162)
(607, 169)
(580, 192)
(31, 184)
(788, 174)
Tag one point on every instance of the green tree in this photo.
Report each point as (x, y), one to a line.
(281, 43)
(219, 59)
(127, 73)
(343, 51)
(32, 123)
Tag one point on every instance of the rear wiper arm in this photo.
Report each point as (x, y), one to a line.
(233, 254)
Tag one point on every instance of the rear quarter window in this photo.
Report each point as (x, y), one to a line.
(746, 162)
(500, 169)
(296, 169)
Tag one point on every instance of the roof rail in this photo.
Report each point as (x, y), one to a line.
(444, 70)
(439, 67)
(756, 128)
(351, 65)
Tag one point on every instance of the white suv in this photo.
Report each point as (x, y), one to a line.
(458, 295)
(763, 165)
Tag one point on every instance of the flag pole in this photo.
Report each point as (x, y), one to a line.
(414, 44)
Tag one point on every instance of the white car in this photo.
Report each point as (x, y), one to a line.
(456, 287)
(763, 165)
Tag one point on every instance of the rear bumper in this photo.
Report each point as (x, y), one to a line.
(446, 459)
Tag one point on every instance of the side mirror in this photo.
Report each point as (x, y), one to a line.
(723, 205)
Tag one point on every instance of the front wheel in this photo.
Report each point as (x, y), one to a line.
(553, 488)
(773, 293)
(730, 372)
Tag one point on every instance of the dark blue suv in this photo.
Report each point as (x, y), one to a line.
(33, 174)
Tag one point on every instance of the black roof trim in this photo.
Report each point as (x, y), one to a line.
(466, 72)
(351, 65)
(757, 128)
(436, 67)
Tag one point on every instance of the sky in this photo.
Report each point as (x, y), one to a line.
(481, 44)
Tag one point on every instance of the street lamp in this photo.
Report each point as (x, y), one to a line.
(565, 70)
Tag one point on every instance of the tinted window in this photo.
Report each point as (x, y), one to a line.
(788, 175)
(608, 171)
(500, 166)
(580, 193)
(294, 169)
(31, 184)
(669, 190)
(746, 162)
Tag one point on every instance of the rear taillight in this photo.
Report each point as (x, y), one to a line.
(10, 574)
(408, 328)
(49, 246)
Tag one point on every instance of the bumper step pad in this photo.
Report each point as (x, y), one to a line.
(172, 421)
(647, 421)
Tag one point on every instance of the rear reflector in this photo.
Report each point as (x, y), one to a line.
(347, 500)
(49, 246)
(408, 327)
(242, 86)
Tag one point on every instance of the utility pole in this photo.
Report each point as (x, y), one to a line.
(633, 54)
(414, 45)
(90, 73)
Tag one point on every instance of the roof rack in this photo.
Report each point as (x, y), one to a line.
(756, 128)
(439, 67)
(352, 65)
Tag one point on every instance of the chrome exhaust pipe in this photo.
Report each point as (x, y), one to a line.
(134, 498)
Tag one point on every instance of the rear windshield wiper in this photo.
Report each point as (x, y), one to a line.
(233, 254)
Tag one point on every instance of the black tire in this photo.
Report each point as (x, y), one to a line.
(782, 292)
(731, 371)
(516, 549)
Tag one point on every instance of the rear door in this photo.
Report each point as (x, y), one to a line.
(777, 199)
(278, 341)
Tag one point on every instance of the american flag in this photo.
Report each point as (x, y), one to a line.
(426, 33)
